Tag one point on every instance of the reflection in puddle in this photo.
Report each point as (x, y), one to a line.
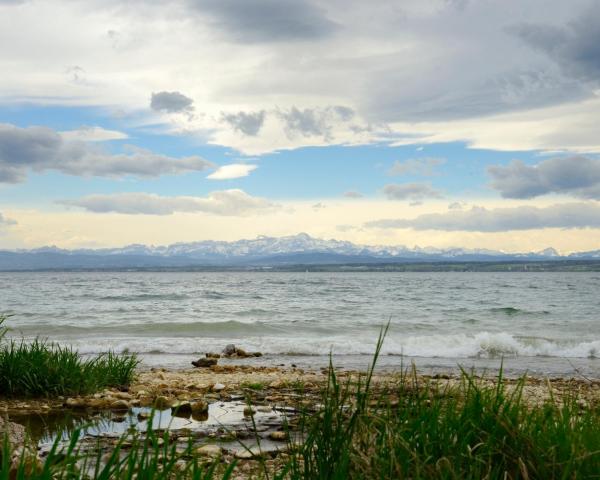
(224, 423)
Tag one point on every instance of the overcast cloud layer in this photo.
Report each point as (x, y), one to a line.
(264, 75)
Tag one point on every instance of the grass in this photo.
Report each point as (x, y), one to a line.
(412, 429)
(43, 369)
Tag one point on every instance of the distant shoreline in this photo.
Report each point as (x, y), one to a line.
(405, 266)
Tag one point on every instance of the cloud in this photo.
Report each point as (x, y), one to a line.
(4, 222)
(267, 21)
(316, 122)
(578, 176)
(247, 123)
(480, 219)
(234, 170)
(416, 166)
(353, 194)
(347, 228)
(574, 46)
(171, 102)
(225, 203)
(92, 134)
(411, 191)
(40, 149)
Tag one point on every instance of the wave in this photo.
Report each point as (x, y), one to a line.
(168, 329)
(457, 346)
(512, 311)
(143, 297)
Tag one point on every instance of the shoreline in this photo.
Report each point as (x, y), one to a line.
(240, 378)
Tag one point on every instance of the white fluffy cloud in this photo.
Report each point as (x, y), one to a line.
(480, 219)
(234, 170)
(232, 202)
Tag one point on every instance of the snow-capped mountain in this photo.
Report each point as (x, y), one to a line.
(293, 249)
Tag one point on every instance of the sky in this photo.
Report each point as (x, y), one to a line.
(437, 123)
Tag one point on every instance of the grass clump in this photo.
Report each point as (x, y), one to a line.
(42, 369)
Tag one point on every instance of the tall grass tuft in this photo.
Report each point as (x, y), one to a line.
(41, 368)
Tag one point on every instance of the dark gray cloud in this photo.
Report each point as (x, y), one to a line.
(249, 123)
(574, 46)
(225, 203)
(411, 191)
(171, 102)
(314, 122)
(267, 20)
(479, 219)
(416, 166)
(578, 176)
(40, 149)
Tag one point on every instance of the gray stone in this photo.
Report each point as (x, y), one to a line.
(204, 362)
(14, 432)
(229, 350)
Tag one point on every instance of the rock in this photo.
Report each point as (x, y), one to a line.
(74, 403)
(217, 387)
(119, 405)
(277, 384)
(257, 354)
(240, 352)
(248, 454)
(212, 451)
(249, 411)
(229, 350)
(182, 408)
(143, 415)
(212, 355)
(278, 436)
(199, 407)
(162, 403)
(14, 432)
(122, 395)
(204, 362)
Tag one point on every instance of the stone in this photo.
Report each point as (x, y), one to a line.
(240, 352)
(212, 355)
(119, 405)
(217, 387)
(249, 411)
(248, 454)
(143, 415)
(278, 436)
(14, 432)
(74, 403)
(182, 408)
(257, 354)
(212, 451)
(199, 407)
(277, 384)
(162, 403)
(229, 350)
(204, 362)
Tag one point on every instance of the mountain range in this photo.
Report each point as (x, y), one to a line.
(301, 249)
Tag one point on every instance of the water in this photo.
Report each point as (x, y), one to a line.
(546, 323)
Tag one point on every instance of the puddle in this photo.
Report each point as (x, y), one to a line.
(225, 424)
